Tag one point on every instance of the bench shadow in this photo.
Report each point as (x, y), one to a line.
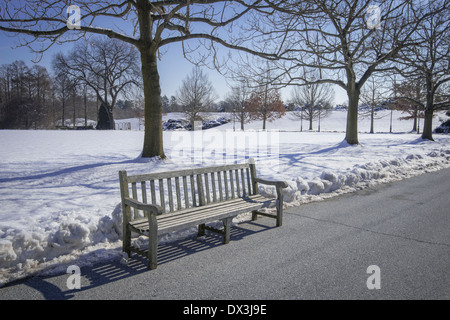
(115, 270)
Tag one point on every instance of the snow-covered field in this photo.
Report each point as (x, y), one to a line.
(59, 190)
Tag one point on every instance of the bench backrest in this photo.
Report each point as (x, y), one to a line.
(182, 189)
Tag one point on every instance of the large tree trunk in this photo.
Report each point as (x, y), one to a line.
(153, 139)
(351, 135)
(428, 121)
(428, 125)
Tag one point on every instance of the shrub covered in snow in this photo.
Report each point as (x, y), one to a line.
(443, 128)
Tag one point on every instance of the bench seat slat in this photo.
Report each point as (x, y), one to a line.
(258, 199)
(231, 205)
(175, 221)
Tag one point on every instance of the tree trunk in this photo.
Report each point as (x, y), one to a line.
(427, 133)
(85, 106)
(415, 114)
(74, 105)
(418, 125)
(264, 120)
(351, 135)
(63, 119)
(153, 138)
(311, 113)
(372, 119)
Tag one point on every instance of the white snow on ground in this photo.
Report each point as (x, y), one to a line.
(59, 190)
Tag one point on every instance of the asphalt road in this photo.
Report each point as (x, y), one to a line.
(322, 251)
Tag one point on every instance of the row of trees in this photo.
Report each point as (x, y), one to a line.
(349, 42)
(197, 94)
(110, 69)
(24, 93)
(31, 98)
(87, 82)
(346, 42)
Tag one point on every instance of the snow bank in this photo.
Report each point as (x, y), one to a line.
(60, 196)
(77, 235)
(331, 183)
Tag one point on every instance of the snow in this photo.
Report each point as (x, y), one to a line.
(60, 197)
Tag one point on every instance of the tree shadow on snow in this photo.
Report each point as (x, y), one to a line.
(68, 170)
(293, 159)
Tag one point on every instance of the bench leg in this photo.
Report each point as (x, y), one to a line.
(153, 248)
(152, 255)
(279, 213)
(278, 216)
(226, 229)
(126, 242)
(201, 230)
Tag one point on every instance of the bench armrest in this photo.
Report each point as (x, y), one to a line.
(151, 208)
(278, 184)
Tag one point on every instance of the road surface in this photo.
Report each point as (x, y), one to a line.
(388, 242)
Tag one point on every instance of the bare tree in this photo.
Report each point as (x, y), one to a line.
(265, 100)
(196, 94)
(373, 98)
(429, 61)
(24, 96)
(347, 41)
(147, 25)
(16, 96)
(313, 102)
(63, 85)
(109, 67)
(238, 99)
(414, 89)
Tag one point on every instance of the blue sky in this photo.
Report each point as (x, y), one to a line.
(173, 67)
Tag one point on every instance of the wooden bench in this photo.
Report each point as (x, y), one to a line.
(177, 200)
